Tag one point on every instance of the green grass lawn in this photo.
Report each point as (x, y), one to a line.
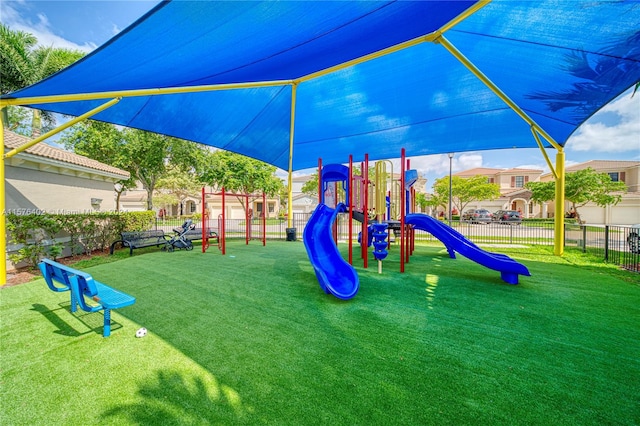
(250, 338)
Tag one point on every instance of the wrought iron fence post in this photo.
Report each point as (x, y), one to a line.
(606, 243)
(584, 238)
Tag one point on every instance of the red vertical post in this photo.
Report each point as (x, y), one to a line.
(402, 210)
(264, 220)
(350, 209)
(205, 240)
(413, 239)
(223, 224)
(409, 228)
(247, 221)
(413, 200)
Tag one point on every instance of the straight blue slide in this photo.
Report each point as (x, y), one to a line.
(456, 242)
(335, 275)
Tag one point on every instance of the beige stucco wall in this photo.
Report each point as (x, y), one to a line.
(28, 189)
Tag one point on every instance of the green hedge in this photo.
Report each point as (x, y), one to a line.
(87, 232)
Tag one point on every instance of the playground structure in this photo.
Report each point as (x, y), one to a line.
(221, 219)
(383, 206)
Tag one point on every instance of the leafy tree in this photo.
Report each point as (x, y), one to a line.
(102, 142)
(19, 120)
(421, 200)
(310, 187)
(237, 173)
(177, 185)
(23, 63)
(147, 156)
(151, 156)
(581, 187)
(463, 191)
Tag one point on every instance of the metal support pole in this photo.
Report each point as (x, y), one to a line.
(559, 206)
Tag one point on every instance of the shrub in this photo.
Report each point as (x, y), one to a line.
(38, 233)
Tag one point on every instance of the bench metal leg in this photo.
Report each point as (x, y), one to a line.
(106, 329)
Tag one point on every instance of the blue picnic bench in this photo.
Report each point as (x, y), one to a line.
(82, 286)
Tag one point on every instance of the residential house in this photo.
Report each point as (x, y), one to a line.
(45, 179)
(627, 211)
(48, 179)
(302, 203)
(513, 194)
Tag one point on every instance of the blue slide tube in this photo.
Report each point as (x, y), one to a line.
(335, 275)
(455, 242)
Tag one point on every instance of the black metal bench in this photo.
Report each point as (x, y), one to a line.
(196, 234)
(140, 239)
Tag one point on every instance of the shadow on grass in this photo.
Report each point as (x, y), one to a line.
(93, 321)
(172, 398)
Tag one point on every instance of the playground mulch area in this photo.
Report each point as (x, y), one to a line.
(250, 338)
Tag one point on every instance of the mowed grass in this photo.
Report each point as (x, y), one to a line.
(250, 338)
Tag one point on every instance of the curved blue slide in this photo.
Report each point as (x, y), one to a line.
(334, 274)
(456, 242)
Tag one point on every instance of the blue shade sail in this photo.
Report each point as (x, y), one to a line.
(559, 61)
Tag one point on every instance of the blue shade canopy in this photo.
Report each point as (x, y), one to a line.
(559, 61)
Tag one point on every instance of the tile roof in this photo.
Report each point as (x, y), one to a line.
(490, 171)
(14, 140)
(602, 165)
(478, 171)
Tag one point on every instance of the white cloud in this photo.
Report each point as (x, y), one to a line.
(601, 135)
(41, 29)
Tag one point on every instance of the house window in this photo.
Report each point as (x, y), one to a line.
(518, 181)
(192, 207)
(272, 207)
(259, 208)
(491, 180)
(615, 176)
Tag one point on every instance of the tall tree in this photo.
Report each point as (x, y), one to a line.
(581, 187)
(463, 191)
(178, 184)
(241, 174)
(146, 156)
(23, 63)
(102, 142)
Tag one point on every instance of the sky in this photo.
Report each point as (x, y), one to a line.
(611, 134)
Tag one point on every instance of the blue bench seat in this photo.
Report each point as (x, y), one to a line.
(89, 294)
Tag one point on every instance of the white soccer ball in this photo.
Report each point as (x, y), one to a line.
(141, 332)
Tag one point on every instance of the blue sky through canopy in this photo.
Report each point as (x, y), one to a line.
(560, 61)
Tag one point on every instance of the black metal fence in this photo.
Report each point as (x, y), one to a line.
(613, 243)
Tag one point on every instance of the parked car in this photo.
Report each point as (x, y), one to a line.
(507, 216)
(477, 216)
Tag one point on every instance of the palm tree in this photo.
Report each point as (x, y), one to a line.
(23, 63)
